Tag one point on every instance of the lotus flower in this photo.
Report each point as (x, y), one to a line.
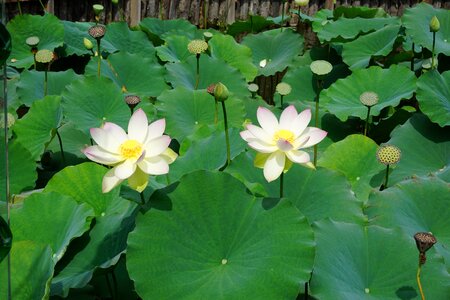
(143, 151)
(275, 141)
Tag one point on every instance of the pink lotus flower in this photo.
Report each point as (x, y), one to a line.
(143, 151)
(275, 141)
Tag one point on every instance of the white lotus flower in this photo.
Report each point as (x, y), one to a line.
(143, 151)
(280, 140)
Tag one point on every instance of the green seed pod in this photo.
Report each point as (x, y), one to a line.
(115, 2)
(197, 46)
(301, 2)
(44, 56)
(98, 9)
(88, 44)
(388, 155)
(283, 88)
(434, 24)
(221, 92)
(32, 41)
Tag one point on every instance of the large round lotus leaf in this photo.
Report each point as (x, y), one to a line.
(318, 194)
(277, 48)
(22, 168)
(321, 18)
(210, 143)
(106, 241)
(217, 241)
(74, 141)
(342, 98)
(92, 101)
(358, 53)
(133, 73)
(253, 24)
(31, 271)
(5, 44)
(433, 93)
(212, 71)
(238, 56)
(47, 28)
(38, 126)
(417, 205)
(417, 23)
(425, 148)
(358, 11)
(175, 49)
(185, 110)
(348, 29)
(31, 84)
(371, 262)
(68, 220)
(125, 40)
(158, 29)
(355, 157)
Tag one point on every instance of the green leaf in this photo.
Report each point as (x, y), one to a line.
(238, 56)
(22, 169)
(355, 157)
(216, 256)
(47, 28)
(31, 271)
(74, 32)
(358, 11)
(404, 205)
(31, 84)
(92, 101)
(417, 23)
(348, 29)
(133, 73)
(254, 24)
(277, 48)
(342, 98)
(371, 262)
(158, 29)
(358, 53)
(36, 129)
(212, 71)
(68, 220)
(433, 93)
(425, 148)
(185, 110)
(174, 49)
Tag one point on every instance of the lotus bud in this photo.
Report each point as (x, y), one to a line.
(98, 9)
(434, 24)
(88, 44)
(301, 2)
(221, 92)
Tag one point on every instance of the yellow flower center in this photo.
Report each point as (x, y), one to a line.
(131, 149)
(284, 139)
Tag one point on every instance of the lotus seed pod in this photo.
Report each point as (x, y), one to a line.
(207, 35)
(115, 2)
(98, 8)
(301, 2)
(88, 44)
(434, 24)
(424, 241)
(44, 56)
(369, 98)
(321, 67)
(97, 31)
(9, 122)
(221, 92)
(197, 46)
(253, 87)
(388, 154)
(32, 41)
(283, 89)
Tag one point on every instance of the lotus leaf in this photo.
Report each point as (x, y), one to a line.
(174, 49)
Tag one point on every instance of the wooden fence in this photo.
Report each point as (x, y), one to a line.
(192, 10)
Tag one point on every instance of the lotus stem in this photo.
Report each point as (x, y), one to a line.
(281, 101)
(45, 82)
(251, 24)
(366, 126)
(197, 74)
(386, 178)
(108, 283)
(42, 5)
(141, 194)
(216, 111)
(282, 15)
(227, 138)
(19, 7)
(418, 278)
(316, 121)
(99, 58)
(282, 184)
(412, 59)
(63, 157)
(432, 51)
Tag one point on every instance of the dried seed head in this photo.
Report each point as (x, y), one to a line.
(32, 41)
(369, 98)
(388, 154)
(283, 89)
(424, 241)
(132, 100)
(321, 67)
(197, 46)
(44, 56)
(97, 31)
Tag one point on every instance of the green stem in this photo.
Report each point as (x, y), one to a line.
(316, 121)
(45, 82)
(227, 138)
(197, 74)
(99, 58)
(281, 101)
(386, 178)
(216, 111)
(168, 179)
(418, 280)
(116, 286)
(412, 59)
(432, 51)
(19, 7)
(366, 126)
(251, 24)
(141, 194)
(109, 285)
(42, 5)
(282, 184)
(282, 15)
(61, 147)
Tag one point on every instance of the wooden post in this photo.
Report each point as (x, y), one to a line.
(230, 11)
(135, 12)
